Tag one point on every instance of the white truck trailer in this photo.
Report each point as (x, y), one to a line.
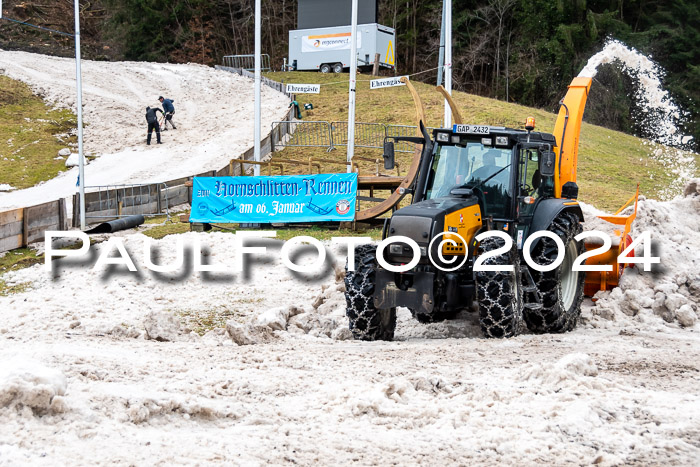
(328, 49)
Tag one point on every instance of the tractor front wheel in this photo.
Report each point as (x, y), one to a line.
(367, 322)
(499, 293)
(555, 304)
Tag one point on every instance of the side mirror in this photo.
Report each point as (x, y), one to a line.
(460, 192)
(388, 155)
(547, 163)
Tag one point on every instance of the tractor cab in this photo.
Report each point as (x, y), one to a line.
(507, 170)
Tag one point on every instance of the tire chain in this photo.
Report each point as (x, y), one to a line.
(500, 310)
(365, 320)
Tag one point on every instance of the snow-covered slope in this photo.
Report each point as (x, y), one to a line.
(214, 117)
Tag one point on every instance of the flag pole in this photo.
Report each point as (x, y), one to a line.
(81, 160)
(353, 82)
(256, 132)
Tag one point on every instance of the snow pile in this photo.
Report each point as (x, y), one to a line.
(73, 160)
(324, 317)
(660, 115)
(163, 327)
(214, 118)
(671, 290)
(569, 368)
(249, 334)
(29, 385)
(6, 187)
(144, 408)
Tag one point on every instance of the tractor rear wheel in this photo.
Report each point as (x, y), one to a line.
(555, 304)
(367, 322)
(499, 293)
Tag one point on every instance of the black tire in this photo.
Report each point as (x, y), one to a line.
(499, 293)
(337, 68)
(325, 68)
(559, 291)
(367, 323)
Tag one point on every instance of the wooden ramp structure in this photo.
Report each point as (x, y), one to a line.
(399, 185)
(382, 192)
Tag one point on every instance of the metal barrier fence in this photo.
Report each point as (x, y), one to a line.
(247, 62)
(333, 134)
(367, 135)
(279, 87)
(114, 201)
(306, 134)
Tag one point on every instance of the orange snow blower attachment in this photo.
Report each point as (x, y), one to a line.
(608, 280)
(567, 129)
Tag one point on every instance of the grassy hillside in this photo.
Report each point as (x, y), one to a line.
(28, 136)
(610, 163)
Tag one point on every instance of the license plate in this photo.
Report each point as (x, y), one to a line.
(471, 129)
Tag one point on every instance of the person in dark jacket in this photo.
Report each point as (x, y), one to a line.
(169, 110)
(152, 120)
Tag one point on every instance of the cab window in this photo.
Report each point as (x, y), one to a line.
(485, 168)
(530, 183)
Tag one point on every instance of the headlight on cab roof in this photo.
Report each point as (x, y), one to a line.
(443, 137)
(501, 141)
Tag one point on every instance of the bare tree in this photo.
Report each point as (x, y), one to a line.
(495, 13)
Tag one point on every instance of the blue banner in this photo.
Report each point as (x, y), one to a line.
(291, 198)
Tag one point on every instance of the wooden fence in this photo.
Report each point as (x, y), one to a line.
(20, 227)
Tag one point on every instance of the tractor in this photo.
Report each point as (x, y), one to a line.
(483, 198)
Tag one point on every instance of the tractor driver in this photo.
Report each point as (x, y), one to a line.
(489, 166)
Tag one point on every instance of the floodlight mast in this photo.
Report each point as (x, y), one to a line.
(353, 83)
(448, 60)
(81, 160)
(256, 132)
(441, 55)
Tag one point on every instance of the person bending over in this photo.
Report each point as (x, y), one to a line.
(152, 120)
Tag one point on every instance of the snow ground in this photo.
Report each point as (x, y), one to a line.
(621, 389)
(213, 114)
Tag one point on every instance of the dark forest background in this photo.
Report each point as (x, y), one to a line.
(522, 51)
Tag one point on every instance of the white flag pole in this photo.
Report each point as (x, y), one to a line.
(256, 133)
(353, 79)
(81, 163)
(448, 60)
